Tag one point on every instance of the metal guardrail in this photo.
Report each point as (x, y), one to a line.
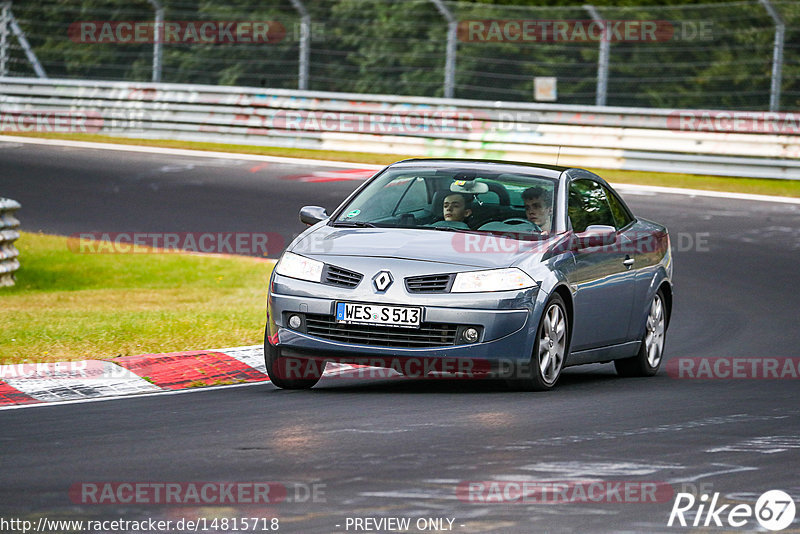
(588, 136)
(9, 232)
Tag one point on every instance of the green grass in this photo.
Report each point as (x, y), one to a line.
(760, 186)
(70, 306)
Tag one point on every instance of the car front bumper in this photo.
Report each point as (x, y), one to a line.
(506, 321)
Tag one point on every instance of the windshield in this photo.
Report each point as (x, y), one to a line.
(454, 200)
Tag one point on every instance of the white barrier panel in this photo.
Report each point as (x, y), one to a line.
(689, 141)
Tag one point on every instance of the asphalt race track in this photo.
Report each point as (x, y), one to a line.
(379, 448)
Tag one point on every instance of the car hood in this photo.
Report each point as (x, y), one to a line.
(458, 248)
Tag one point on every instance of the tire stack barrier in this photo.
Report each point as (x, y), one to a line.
(9, 233)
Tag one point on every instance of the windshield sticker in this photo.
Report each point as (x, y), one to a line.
(353, 213)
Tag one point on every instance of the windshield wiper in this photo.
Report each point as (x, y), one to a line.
(354, 224)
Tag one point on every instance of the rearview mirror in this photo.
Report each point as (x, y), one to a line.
(311, 215)
(469, 187)
(596, 235)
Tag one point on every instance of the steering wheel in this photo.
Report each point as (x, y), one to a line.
(518, 221)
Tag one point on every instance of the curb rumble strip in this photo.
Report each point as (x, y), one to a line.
(31, 383)
(35, 384)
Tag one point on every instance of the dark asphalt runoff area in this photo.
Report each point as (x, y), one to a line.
(395, 448)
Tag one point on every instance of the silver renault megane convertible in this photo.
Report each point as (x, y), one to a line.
(444, 267)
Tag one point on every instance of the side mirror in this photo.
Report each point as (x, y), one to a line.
(596, 235)
(311, 215)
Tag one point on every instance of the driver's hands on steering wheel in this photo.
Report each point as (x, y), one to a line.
(517, 220)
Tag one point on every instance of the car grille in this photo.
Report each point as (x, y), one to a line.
(432, 283)
(427, 335)
(336, 276)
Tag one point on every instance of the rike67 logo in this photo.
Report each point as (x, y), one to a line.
(774, 510)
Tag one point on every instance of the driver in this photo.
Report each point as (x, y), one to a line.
(538, 207)
(456, 207)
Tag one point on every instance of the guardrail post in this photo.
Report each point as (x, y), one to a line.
(450, 60)
(305, 48)
(8, 234)
(5, 11)
(26, 47)
(158, 37)
(603, 58)
(777, 56)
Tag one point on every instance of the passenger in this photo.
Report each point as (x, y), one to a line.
(539, 207)
(456, 207)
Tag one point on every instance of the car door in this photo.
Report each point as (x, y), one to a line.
(603, 277)
(646, 250)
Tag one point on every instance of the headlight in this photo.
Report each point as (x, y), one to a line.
(492, 280)
(295, 266)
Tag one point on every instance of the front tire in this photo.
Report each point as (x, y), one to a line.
(549, 351)
(279, 367)
(651, 350)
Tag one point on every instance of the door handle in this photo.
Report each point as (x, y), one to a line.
(627, 262)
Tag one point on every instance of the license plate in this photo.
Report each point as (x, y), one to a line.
(351, 312)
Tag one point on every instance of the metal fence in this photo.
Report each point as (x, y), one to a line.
(729, 55)
(9, 233)
(756, 144)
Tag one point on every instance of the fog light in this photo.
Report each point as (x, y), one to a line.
(470, 335)
(295, 321)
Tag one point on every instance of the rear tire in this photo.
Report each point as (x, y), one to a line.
(275, 363)
(651, 350)
(549, 350)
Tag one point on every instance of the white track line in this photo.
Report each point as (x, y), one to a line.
(348, 165)
(131, 396)
(703, 193)
(185, 152)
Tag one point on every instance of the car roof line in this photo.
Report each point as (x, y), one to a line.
(559, 168)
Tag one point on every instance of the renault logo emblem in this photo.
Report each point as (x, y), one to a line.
(382, 280)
